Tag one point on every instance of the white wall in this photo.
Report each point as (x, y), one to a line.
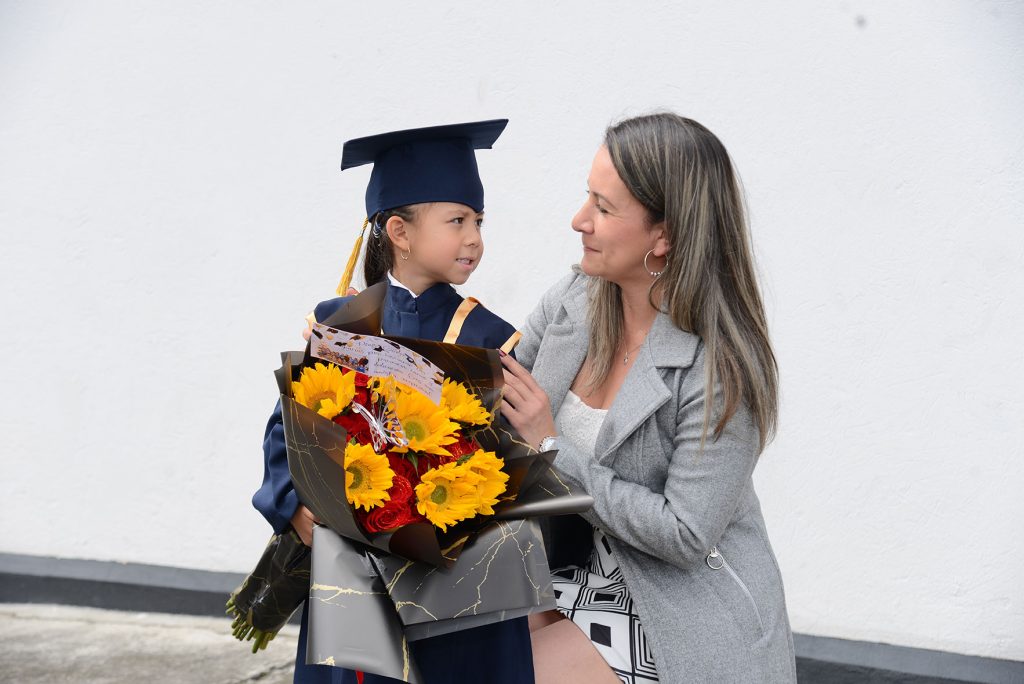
(171, 207)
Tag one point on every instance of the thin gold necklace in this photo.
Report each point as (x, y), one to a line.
(625, 360)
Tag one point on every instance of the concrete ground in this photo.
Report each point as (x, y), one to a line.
(47, 644)
(59, 644)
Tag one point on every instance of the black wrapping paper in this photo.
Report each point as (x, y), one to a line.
(269, 595)
(352, 621)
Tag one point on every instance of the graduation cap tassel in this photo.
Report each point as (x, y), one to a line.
(350, 267)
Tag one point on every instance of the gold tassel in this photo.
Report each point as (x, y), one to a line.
(350, 267)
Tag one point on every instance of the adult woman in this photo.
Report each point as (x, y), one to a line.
(655, 356)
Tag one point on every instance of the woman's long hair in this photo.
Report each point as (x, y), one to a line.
(682, 175)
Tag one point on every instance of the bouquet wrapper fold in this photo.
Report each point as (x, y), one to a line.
(353, 623)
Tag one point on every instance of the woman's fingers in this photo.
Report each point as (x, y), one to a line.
(518, 394)
(524, 386)
(525, 403)
(513, 392)
(511, 415)
(519, 372)
(528, 403)
(508, 410)
(511, 379)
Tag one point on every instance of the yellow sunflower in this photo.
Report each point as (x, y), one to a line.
(493, 481)
(367, 476)
(463, 406)
(448, 494)
(426, 426)
(325, 389)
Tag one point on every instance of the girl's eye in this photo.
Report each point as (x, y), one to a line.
(458, 220)
(479, 223)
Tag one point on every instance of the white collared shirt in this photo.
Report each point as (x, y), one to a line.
(394, 281)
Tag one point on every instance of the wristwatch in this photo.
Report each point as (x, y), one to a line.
(547, 444)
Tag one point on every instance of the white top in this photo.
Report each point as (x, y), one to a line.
(579, 423)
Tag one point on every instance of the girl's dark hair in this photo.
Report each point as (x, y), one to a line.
(379, 257)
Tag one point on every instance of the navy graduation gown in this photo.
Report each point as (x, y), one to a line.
(429, 315)
(499, 653)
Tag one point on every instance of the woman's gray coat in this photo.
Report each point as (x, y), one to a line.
(685, 527)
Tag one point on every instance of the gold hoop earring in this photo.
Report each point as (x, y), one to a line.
(654, 274)
(403, 255)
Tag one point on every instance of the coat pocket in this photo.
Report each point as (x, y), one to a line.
(717, 562)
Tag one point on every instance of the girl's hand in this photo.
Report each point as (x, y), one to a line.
(525, 404)
(302, 522)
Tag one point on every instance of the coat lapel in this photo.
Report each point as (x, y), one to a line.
(563, 349)
(644, 391)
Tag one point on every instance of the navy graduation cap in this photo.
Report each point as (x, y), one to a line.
(434, 164)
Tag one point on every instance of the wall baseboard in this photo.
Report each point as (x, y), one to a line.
(161, 589)
(843, 661)
(117, 586)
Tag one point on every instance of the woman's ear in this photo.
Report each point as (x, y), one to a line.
(398, 233)
(661, 244)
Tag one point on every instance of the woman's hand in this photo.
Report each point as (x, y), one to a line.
(525, 404)
(302, 522)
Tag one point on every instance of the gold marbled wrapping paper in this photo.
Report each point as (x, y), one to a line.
(352, 621)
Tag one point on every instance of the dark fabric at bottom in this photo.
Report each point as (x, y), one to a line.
(499, 653)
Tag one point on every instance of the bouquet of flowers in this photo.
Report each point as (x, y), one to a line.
(407, 459)
(396, 445)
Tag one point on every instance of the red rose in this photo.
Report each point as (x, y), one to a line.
(356, 426)
(431, 461)
(361, 397)
(403, 468)
(401, 489)
(391, 515)
(462, 447)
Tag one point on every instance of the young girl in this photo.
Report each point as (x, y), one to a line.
(424, 207)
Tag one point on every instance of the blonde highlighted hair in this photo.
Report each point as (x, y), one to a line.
(681, 173)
